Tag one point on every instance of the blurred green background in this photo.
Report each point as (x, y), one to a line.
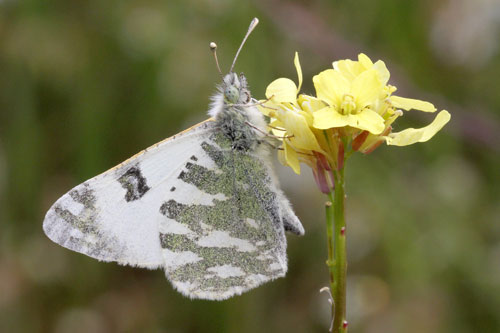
(86, 84)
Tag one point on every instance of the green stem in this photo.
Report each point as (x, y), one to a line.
(337, 263)
(339, 293)
(330, 263)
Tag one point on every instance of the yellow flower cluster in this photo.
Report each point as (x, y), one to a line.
(353, 110)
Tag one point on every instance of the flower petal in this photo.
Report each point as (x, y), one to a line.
(328, 118)
(410, 103)
(411, 135)
(296, 125)
(383, 72)
(299, 70)
(291, 158)
(366, 87)
(365, 61)
(308, 117)
(348, 68)
(277, 128)
(368, 120)
(310, 104)
(282, 90)
(266, 107)
(331, 86)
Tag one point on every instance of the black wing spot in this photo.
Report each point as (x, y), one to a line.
(172, 189)
(194, 158)
(172, 209)
(135, 183)
(84, 195)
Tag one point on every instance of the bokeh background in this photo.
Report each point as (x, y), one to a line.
(86, 84)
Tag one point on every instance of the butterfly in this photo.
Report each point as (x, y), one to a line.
(204, 205)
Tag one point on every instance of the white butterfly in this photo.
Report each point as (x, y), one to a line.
(204, 205)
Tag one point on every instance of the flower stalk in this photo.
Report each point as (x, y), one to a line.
(337, 259)
(330, 262)
(340, 267)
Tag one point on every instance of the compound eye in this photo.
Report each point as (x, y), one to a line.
(231, 94)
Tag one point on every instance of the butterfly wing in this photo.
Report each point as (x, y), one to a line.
(212, 216)
(113, 216)
(222, 228)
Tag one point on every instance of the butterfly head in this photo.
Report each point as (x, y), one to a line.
(235, 89)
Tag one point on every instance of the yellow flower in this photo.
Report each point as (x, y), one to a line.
(348, 101)
(285, 113)
(351, 69)
(389, 106)
(353, 110)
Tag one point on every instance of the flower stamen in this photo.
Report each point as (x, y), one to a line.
(348, 105)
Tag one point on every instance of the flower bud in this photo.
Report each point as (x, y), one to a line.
(359, 140)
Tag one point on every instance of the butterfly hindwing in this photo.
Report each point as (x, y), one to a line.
(113, 216)
(227, 235)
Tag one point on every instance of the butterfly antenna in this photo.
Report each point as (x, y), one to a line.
(213, 48)
(252, 26)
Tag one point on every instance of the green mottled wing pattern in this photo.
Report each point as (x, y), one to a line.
(222, 225)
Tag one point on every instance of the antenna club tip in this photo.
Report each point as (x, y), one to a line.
(254, 23)
(213, 46)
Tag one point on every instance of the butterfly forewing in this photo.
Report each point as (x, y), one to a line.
(113, 216)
